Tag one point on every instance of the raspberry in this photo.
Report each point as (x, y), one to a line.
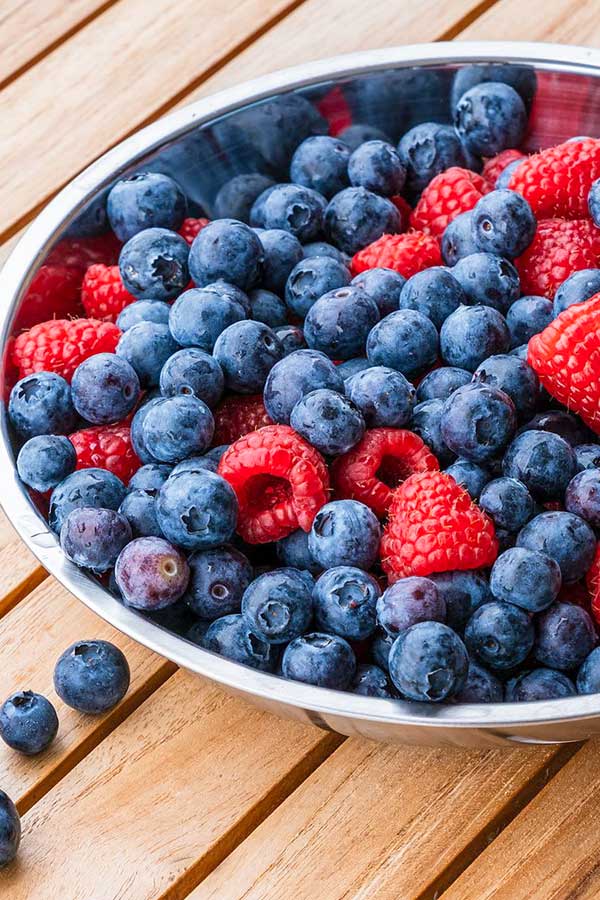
(334, 107)
(446, 196)
(103, 294)
(237, 415)
(83, 252)
(405, 210)
(559, 248)
(557, 181)
(383, 458)
(59, 345)
(280, 481)
(106, 447)
(54, 290)
(495, 165)
(592, 579)
(190, 228)
(566, 357)
(406, 253)
(434, 526)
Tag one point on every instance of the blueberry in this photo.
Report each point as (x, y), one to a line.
(488, 280)
(350, 367)
(472, 334)
(520, 77)
(235, 198)
(277, 606)
(322, 248)
(291, 337)
(582, 496)
(520, 352)
(587, 456)
(10, 830)
(357, 133)
(428, 662)
(197, 510)
(45, 460)
(91, 676)
(588, 677)
(154, 264)
(328, 421)
(371, 681)
(513, 376)
(470, 476)
(384, 286)
(503, 179)
(340, 321)
(104, 388)
(293, 551)
(481, 686)
(380, 648)
(356, 217)
(560, 422)
(543, 461)
(41, 404)
(310, 279)
(508, 503)
(156, 311)
(246, 352)
(295, 376)
(490, 117)
(146, 347)
(539, 684)
(199, 316)
(178, 427)
(195, 634)
(577, 288)
(93, 538)
(206, 463)
(526, 317)
(145, 200)
(282, 251)
(192, 372)
(565, 537)
(137, 430)
(226, 249)
(408, 601)
(345, 533)
(232, 637)
(439, 384)
(151, 573)
(321, 163)
(293, 208)
(405, 340)
(499, 634)
(426, 150)
(91, 220)
(139, 508)
(594, 201)
(478, 421)
(28, 723)
(457, 239)
(527, 578)
(565, 635)
(434, 292)
(321, 659)
(344, 602)
(503, 223)
(218, 578)
(427, 423)
(463, 593)
(87, 487)
(376, 166)
(384, 397)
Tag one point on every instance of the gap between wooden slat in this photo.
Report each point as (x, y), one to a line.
(466, 20)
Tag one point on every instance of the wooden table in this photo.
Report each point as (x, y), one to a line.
(182, 791)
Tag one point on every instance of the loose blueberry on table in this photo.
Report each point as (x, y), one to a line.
(347, 421)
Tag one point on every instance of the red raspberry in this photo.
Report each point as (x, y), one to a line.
(405, 210)
(566, 357)
(54, 290)
(378, 464)
(559, 248)
(83, 252)
(103, 294)
(592, 579)
(434, 526)
(106, 447)
(446, 196)
(236, 416)
(406, 253)
(190, 228)
(59, 345)
(557, 181)
(281, 483)
(334, 107)
(495, 165)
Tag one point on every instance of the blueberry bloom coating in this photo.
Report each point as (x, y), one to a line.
(156, 311)
(154, 264)
(226, 249)
(526, 317)
(197, 510)
(137, 429)
(200, 315)
(192, 371)
(310, 279)
(380, 648)
(105, 388)
(582, 496)
(218, 579)
(371, 681)
(282, 251)
(232, 637)
(565, 635)
(513, 376)
(340, 321)
(481, 686)
(426, 150)
(490, 117)
(345, 533)
(145, 200)
(93, 538)
(428, 662)
(577, 288)
(457, 239)
(328, 421)
(291, 337)
(290, 207)
(235, 198)
(500, 635)
(520, 77)
(384, 397)
(376, 166)
(41, 404)
(539, 684)
(151, 573)
(439, 384)
(527, 578)
(321, 163)
(384, 286)
(278, 605)
(594, 201)
(503, 223)
(463, 593)
(472, 334)
(246, 352)
(435, 292)
(91, 676)
(322, 248)
(488, 280)
(565, 537)
(357, 133)
(45, 460)
(96, 488)
(28, 723)
(293, 551)
(405, 340)
(345, 600)
(508, 503)
(180, 426)
(587, 456)
(356, 217)
(478, 421)
(325, 660)
(470, 476)
(588, 677)
(543, 461)
(139, 508)
(295, 376)
(10, 830)
(408, 601)
(267, 308)
(427, 423)
(559, 421)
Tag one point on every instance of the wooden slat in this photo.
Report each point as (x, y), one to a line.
(105, 81)
(552, 849)
(28, 28)
(162, 799)
(20, 572)
(32, 637)
(564, 21)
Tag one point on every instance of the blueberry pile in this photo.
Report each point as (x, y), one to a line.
(266, 302)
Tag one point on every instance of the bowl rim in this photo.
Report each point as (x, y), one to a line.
(33, 529)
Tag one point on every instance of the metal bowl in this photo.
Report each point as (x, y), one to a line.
(203, 145)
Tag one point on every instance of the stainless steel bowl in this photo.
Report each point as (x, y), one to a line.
(203, 145)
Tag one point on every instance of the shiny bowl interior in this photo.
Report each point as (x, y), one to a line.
(202, 146)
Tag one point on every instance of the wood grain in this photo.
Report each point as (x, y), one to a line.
(564, 21)
(32, 637)
(162, 799)
(20, 572)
